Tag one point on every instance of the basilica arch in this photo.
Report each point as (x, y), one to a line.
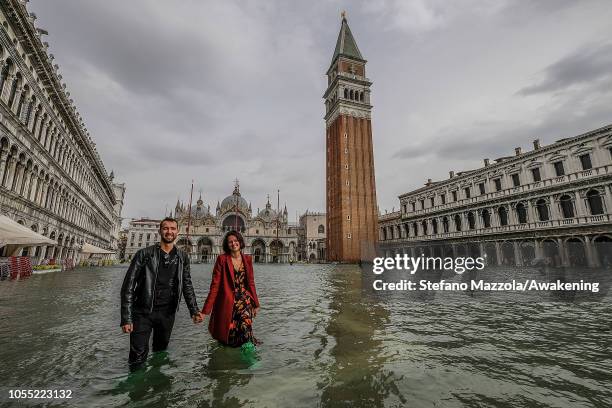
(205, 249)
(258, 250)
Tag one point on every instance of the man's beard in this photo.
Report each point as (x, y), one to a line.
(166, 241)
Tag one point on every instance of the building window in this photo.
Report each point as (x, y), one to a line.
(521, 213)
(467, 192)
(433, 201)
(516, 180)
(321, 229)
(348, 217)
(148, 236)
(454, 196)
(481, 188)
(434, 226)
(585, 160)
(542, 210)
(497, 183)
(445, 224)
(256, 231)
(559, 170)
(140, 237)
(413, 207)
(567, 208)
(424, 225)
(443, 198)
(348, 235)
(471, 220)
(458, 222)
(535, 173)
(503, 216)
(422, 202)
(486, 218)
(595, 202)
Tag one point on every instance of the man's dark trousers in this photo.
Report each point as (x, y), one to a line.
(160, 322)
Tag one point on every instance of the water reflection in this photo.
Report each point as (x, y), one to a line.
(148, 383)
(357, 377)
(228, 368)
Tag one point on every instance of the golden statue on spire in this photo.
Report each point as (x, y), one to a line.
(343, 14)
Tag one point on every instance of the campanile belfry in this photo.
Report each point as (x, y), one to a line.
(352, 215)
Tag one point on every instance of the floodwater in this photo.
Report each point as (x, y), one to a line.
(328, 341)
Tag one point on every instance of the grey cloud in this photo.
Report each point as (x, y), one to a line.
(588, 64)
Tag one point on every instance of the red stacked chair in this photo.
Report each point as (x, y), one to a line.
(25, 267)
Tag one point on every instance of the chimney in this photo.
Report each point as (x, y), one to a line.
(451, 174)
(517, 151)
(536, 144)
(486, 162)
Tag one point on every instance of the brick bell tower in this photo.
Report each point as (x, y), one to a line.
(352, 212)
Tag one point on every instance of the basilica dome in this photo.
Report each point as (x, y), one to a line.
(230, 202)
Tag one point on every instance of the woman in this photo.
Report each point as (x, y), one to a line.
(232, 300)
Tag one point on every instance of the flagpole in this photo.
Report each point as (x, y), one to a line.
(189, 219)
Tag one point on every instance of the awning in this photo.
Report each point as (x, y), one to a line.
(13, 233)
(92, 249)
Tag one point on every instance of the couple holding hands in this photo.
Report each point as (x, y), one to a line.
(160, 274)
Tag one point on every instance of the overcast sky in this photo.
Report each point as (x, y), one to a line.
(178, 90)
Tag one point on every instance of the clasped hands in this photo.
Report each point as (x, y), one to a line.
(198, 317)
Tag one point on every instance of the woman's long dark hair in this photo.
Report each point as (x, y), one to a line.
(238, 236)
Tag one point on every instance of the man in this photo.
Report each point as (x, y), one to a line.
(151, 293)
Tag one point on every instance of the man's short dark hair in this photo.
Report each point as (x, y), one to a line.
(168, 219)
(238, 236)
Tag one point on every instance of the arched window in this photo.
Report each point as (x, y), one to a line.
(415, 228)
(445, 224)
(351, 95)
(521, 213)
(384, 234)
(22, 98)
(567, 208)
(486, 218)
(424, 224)
(321, 229)
(542, 210)
(345, 93)
(434, 226)
(458, 222)
(16, 83)
(4, 74)
(471, 220)
(361, 96)
(503, 216)
(595, 202)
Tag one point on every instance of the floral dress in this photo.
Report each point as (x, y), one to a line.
(241, 326)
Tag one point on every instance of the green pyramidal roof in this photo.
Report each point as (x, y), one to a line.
(346, 44)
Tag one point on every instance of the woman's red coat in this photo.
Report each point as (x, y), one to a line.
(220, 301)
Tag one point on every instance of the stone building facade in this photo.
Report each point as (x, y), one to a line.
(352, 213)
(141, 233)
(551, 204)
(312, 237)
(52, 179)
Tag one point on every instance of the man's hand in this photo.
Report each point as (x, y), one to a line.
(127, 328)
(198, 318)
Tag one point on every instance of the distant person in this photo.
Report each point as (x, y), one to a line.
(232, 301)
(154, 283)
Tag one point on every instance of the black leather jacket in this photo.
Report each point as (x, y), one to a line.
(138, 290)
